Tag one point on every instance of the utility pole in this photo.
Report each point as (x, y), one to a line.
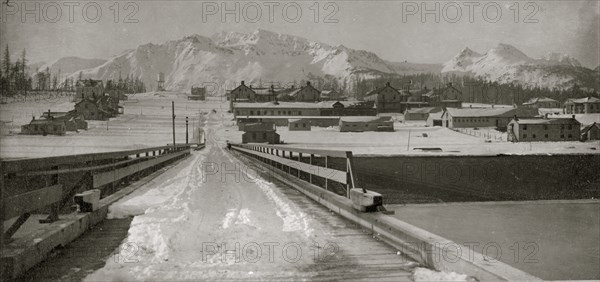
(173, 113)
(186, 130)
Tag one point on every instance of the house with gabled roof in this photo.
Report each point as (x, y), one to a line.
(262, 132)
(242, 93)
(307, 93)
(590, 132)
(387, 99)
(92, 109)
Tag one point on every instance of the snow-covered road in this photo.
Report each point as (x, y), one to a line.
(208, 218)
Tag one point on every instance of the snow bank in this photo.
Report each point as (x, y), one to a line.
(424, 274)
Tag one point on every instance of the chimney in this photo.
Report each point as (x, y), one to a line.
(387, 83)
(308, 83)
(546, 116)
(492, 106)
(243, 83)
(471, 106)
(573, 116)
(516, 118)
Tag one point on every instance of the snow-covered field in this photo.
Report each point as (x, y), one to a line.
(392, 143)
(147, 122)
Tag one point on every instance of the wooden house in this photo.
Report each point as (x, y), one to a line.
(387, 99)
(260, 133)
(590, 132)
(305, 94)
(44, 127)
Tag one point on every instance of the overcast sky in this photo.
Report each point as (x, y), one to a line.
(392, 29)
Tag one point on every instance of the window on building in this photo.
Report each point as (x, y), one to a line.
(272, 113)
(545, 135)
(237, 113)
(304, 125)
(525, 127)
(562, 136)
(533, 136)
(570, 136)
(254, 135)
(524, 136)
(545, 127)
(296, 125)
(290, 113)
(264, 135)
(251, 113)
(562, 126)
(570, 126)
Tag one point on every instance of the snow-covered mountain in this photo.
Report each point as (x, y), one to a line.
(69, 65)
(461, 61)
(507, 64)
(229, 57)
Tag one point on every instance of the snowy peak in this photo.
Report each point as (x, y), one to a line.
(68, 65)
(507, 54)
(229, 57)
(507, 64)
(461, 61)
(561, 59)
(467, 52)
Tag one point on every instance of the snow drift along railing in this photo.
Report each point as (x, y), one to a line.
(330, 169)
(46, 185)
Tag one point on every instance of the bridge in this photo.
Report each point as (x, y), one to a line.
(252, 211)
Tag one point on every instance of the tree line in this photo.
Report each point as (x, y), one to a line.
(474, 90)
(15, 79)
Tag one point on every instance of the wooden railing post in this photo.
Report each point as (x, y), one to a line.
(326, 166)
(310, 174)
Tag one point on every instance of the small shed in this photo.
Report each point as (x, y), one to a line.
(260, 133)
(299, 124)
(366, 123)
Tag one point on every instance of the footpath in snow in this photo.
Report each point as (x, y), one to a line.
(208, 218)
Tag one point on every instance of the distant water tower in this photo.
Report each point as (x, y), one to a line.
(161, 82)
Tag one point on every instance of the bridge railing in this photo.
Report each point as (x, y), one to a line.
(330, 169)
(47, 185)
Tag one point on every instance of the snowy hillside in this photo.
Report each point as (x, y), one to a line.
(507, 64)
(69, 65)
(229, 57)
